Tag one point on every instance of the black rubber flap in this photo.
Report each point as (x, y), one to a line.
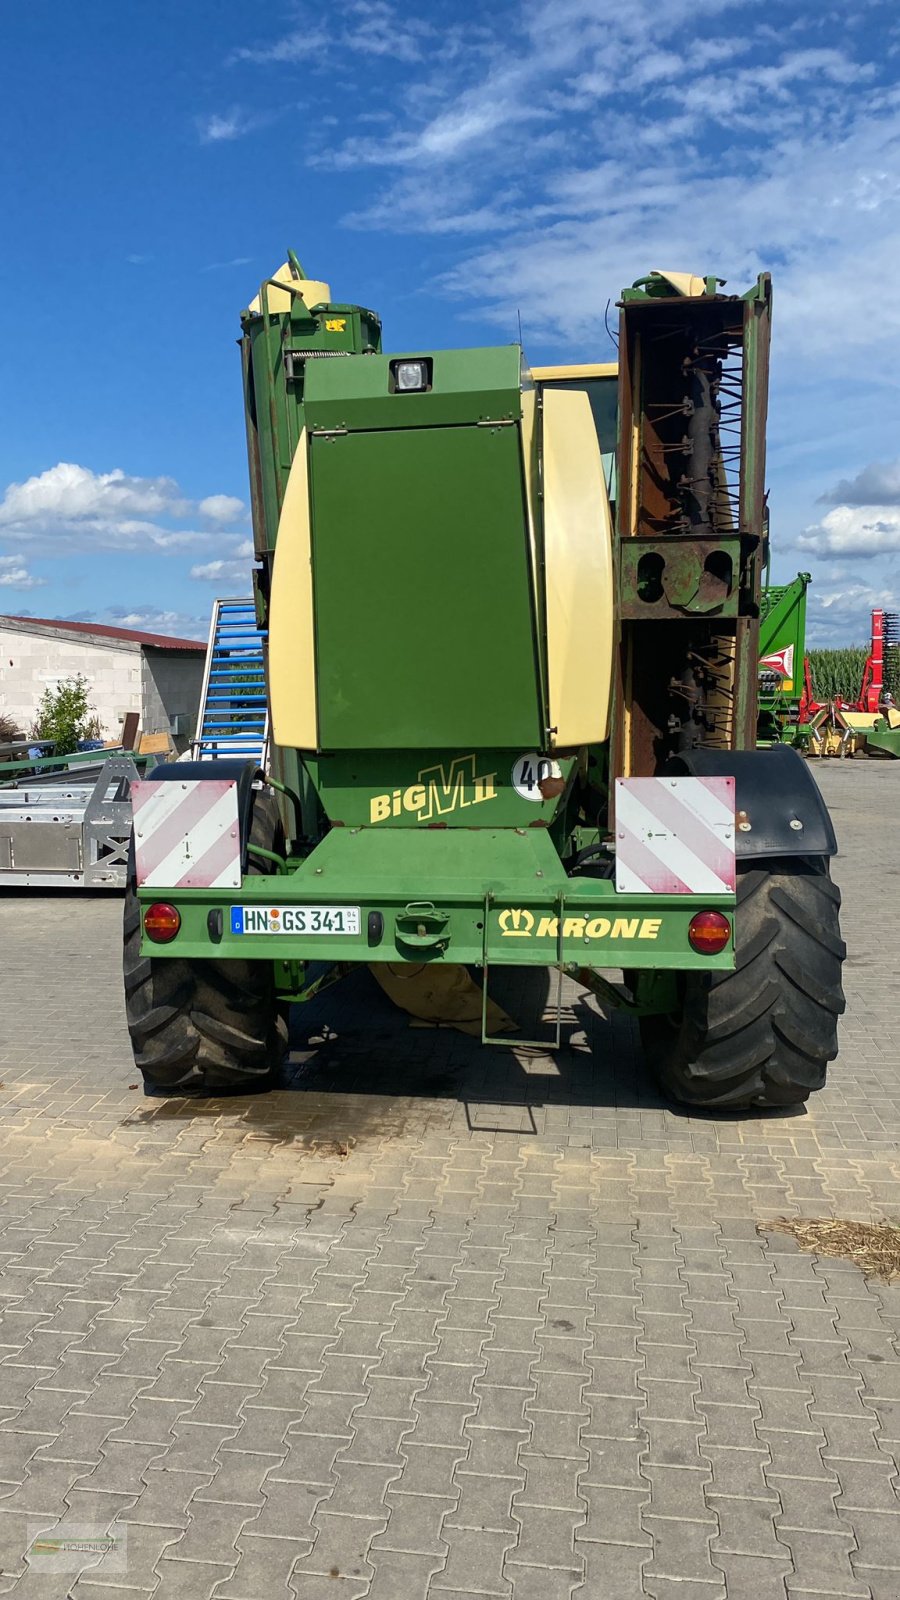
(778, 795)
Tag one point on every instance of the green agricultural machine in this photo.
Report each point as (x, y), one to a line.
(511, 634)
(783, 680)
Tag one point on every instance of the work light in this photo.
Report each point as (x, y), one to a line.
(410, 375)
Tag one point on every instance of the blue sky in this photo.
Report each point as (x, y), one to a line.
(454, 168)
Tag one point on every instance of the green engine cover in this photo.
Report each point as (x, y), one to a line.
(425, 635)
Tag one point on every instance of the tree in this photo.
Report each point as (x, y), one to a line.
(65, 716)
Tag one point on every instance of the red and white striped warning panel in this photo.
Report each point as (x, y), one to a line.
(675, 835)
(186, 835)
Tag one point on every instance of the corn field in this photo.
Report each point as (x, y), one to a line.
(837, 673)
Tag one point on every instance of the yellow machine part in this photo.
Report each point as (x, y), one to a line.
(292, 651)
(578, 572)
(579, 369)
(833, 741)
(311, 291)
(686, 283)
(837, 731)
(444, 996)
(867, 721)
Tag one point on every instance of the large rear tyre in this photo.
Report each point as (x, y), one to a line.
(205, 1027)
(763, 1034)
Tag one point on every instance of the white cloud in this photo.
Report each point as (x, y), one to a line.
(371, 28)
(823, 213)
(853, 531)
(222, 127)
(473, 116)
(586, 146)
(70, 507)
(222, 508)
(70, 491)
(14, 574)
(224, 266)
(841, 613)
(234, 570)
(562, 56)
(291, 47)
(146, 619)
(876, 485)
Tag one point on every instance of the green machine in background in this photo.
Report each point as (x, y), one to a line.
(507, 728)
(783, 686)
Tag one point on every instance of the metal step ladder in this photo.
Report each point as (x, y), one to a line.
(233, 718)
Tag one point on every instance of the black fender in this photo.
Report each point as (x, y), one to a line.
(783, 810)
(247, 775)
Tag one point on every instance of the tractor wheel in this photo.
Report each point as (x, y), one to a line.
(205, 1027)
(762, 1034)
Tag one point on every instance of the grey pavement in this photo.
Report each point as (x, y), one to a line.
(439, 1319)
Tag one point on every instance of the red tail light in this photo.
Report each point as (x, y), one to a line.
(709, 932)
(161, 922)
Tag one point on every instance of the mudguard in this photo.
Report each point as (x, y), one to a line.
(780, 809)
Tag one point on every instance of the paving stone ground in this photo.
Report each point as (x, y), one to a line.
(438, 1319)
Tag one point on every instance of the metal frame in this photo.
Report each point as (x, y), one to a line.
(99, 826)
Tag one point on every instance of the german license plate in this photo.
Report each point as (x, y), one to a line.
(295, 919)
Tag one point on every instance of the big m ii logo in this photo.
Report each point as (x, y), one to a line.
(450, 786)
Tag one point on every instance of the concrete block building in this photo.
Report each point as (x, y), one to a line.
(159, 677)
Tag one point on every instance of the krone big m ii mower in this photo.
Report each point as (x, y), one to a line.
(511, 671)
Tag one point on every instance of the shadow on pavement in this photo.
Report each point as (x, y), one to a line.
(358, 1070)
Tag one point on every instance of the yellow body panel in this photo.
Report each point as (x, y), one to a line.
(292, 651)
(578, 565)
(311, 291)
(591, 369)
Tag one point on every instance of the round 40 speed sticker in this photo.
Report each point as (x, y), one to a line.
(531, 771)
